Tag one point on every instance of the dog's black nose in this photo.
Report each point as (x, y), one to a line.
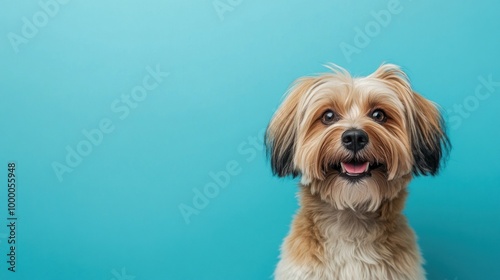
(354, 139)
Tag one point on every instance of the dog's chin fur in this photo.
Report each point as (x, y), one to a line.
(352, 227)
(363, 195)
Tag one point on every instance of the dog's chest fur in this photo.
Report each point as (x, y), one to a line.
(331, 244)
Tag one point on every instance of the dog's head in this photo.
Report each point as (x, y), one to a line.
(356, 141)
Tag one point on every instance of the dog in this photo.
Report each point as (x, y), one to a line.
(355, 142)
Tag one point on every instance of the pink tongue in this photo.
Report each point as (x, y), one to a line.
(355, 168)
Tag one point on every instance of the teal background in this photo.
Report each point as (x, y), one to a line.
(116, 215)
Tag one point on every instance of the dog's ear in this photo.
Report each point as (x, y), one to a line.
(429, 140)
(282, 130)
(426, 127)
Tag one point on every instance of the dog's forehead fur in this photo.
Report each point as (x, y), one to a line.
(350, 98)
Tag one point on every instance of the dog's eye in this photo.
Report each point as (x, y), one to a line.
(328, 117)
(379, 116)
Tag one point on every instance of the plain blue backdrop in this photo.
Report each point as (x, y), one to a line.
(114, 210)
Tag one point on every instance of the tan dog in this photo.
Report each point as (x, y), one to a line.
(356, 143)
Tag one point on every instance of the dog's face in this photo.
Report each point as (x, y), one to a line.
(356, 141)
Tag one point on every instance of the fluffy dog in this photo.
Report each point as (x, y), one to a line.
(356, 143)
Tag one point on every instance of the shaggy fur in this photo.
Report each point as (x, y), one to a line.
(352, 227)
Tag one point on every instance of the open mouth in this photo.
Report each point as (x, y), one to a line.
(356, 169)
